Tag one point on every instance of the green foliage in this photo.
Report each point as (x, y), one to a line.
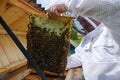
(74, 35)
(83, 77)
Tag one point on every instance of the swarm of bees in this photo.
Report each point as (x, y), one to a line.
(48, 42)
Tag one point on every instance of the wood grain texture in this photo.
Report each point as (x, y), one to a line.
(3, 58)
(12, 67)
(18, 33)
(69, 74)
(2, 6)
(13, 51)
(18, 54)
(74, 74)
(18, 74)
(15, 17)
(7, 48)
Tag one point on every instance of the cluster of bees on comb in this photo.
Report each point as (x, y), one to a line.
(48, 41)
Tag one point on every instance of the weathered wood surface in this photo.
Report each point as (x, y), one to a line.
(74, 74)
(15, 17)
(19, 74)
(25, 6)
(11, 57)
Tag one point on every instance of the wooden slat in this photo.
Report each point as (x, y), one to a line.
(3, 58)
(10, 49)
(25, 6)
(69, 74)
(33, 77)
(12, 15)
(21, 24)
(1, 64)
(74, 74)
(23, 40)
(18, 74)
(12, 67)
(3, 32)
(7, 49)
(2, 6)
(18, 54)
(11, 46)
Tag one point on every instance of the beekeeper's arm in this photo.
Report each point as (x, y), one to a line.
(98, 9)
(74, 66)
(74, 60)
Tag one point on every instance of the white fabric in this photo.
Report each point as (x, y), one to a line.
(99, 52)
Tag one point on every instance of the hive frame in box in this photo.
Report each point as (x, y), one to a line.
(20, 46)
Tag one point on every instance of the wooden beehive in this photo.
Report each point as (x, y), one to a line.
(13, 64)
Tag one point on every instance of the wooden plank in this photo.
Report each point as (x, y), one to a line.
(25, 6)
(7, 48)
(69, 74)
(2, 6)
(74, 74)
(23, 40)
(32, 77)
(21, 24)
(3, 32)
(17, 53)
(1, 64)
(77, 74)
(15, 48)
(18, 74)
(3, 58)
(36, 77)
(12, 14)
(11, 50)
(12, 67)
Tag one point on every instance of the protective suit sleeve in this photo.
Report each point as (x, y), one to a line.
(74, 60)
(98, 9)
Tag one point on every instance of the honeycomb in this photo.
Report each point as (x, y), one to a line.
(48, 42)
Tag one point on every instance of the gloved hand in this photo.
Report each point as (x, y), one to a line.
(56, 9)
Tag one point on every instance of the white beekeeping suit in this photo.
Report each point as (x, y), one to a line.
(52, 1)
(99, 51)
(46, 3)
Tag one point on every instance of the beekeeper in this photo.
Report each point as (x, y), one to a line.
(99, 52)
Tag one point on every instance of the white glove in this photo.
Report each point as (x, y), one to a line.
(73, 61)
